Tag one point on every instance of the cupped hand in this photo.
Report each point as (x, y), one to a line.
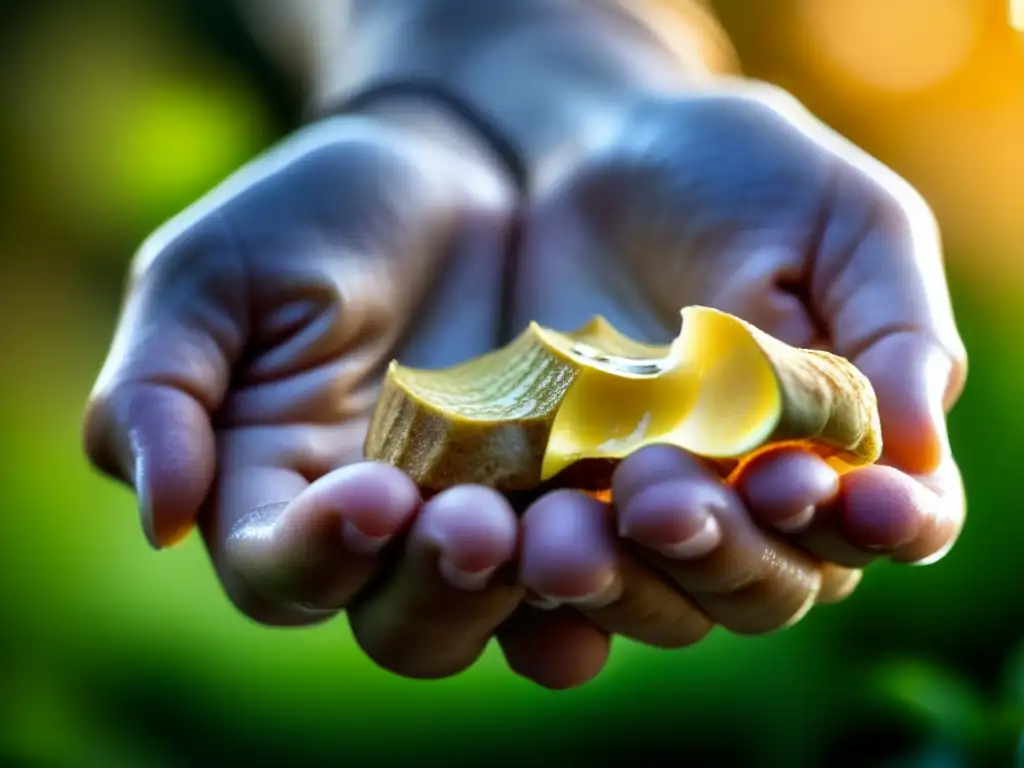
(249, 355)
(740, 200)
(257, 325)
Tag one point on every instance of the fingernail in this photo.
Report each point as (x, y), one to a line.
(801, 612)
(939, 371)
(313, 610)
(875, 548)
(698, 545)
(142, 493)
(179, 536)
(937, 555)
(469, 581)
(599, 599)
(923, 452)
(796, 523)
(362, 543)
(542, 602)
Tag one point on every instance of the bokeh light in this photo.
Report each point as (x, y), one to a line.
(937, 90)
(903, 46)
(137, 122)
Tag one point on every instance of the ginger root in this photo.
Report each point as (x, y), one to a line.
(550, 403)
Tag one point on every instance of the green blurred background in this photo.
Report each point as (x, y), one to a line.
(114, 115)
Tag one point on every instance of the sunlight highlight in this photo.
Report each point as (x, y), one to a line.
(903, 47)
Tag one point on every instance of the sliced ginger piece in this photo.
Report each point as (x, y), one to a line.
(517, 417)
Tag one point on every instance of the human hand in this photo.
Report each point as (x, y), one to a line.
(740, 200)
(275, 379)
(248, 356)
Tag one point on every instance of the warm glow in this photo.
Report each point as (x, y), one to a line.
(716, 394)
(899, 47)
(1017, 14)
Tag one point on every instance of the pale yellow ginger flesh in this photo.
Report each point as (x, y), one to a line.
(517, 417)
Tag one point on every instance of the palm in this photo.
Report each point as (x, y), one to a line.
(725, 202)
(694, 202)
(258, 326)
(355, 249)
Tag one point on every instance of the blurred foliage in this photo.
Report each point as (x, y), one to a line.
(111, 655)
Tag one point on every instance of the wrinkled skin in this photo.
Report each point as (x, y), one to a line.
(256, 326)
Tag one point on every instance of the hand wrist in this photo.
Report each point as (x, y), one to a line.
(536, 68)
(453, 151)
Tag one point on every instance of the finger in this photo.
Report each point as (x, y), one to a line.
(460, 322)
(326, 394)
(695, 529)
(435, 614)
(881, 289)
(291, 552)
(312, 450)
(875, 282)
(866, 514)
(787, 490)
(875, 278)
(916, 383)
(837, 583)
(792, 491)
(570, 556)
(181, 329)
(557, 649)
(783, 487)
(928, 512)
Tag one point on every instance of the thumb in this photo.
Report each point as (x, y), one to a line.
(880, 287)
(148, 419)
(912, 377)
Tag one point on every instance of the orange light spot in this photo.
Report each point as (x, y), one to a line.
(901, 47)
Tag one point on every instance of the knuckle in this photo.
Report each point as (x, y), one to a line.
(904, 214)
(898, 207)
(761, 95)
(753, 113)
(902, 207)
(961, 364)
(353, 159)
(957, 351)
(188, 249)
(730, 159)
(94, 431)
(102, 432)
(340, 164)
(364, 163)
